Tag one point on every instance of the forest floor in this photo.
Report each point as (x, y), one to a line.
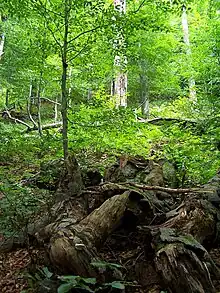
(20, 270)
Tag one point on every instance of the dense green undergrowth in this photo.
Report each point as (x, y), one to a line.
(96, 135)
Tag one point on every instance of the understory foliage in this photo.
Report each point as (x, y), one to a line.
(98, 133)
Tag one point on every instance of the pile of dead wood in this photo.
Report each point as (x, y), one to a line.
(136, 217)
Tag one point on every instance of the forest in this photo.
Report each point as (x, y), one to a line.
(110, 146)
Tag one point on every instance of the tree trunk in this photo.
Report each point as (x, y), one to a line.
(29, 105)
(145, 105)
(7, 98)
(89, 95)
(39, 107)
(64, 80)
(56, 110)
(120, 83)
(192, 90)
(2, 43)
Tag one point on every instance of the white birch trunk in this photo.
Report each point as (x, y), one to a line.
(120, 83)
(29, 104)
(192, 90)
(56, 110)
(2, 43)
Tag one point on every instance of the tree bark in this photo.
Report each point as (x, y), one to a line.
(120, 83)
(64, 103)
(192, 83)
(2, 43)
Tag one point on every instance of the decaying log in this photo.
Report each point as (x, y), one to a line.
(182, 270)
(74, 247)
(166, 119)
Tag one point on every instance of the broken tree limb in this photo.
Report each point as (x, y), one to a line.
(166, 189)
(29, 127)
(16, 120)
(50, 101)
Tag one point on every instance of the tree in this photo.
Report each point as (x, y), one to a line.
(192, 90)
(119, 85)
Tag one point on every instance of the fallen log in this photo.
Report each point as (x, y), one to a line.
(47, 126)
(74, 247)
(166, 119)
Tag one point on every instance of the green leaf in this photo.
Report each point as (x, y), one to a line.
(105, 265)
(47, 273)
(68, 278)
(89, 280)
(117, 285)
(82, 286)
(65, 288)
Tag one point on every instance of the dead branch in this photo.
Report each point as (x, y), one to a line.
(16, 120)
(49, 100)
(165, 119)
(168, 190)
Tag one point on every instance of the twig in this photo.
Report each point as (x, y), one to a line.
(83, 33)
(142, 3)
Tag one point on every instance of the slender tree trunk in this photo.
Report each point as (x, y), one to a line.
(89, 95)
(192, 90)
(2, 43)
(29, 104)
(64, 102)
(70, 86)
(120, 83)
(145, 105)
(7, 98)
(39, 107)
(56, 110)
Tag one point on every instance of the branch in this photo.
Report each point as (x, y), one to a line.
(142, 3)
(80, 51)
(53, 35)
(16, 120)
(168, 190)
(51, 101)
(83, 33)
